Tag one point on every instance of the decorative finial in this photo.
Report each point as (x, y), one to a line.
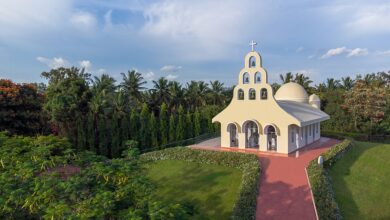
(253, 44)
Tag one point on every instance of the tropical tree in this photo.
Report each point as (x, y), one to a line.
(347, 83)
(161, 90)
(180, 132)
(288, 77)
(172, 128)
(216, 93)
(133, 83)
(163, 124)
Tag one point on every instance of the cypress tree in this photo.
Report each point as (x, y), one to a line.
(197, 123)
(163, 124)
(134, 125)
(102, 136)
(80, 134)
(91, 132)
(189, 126)
(180, 124)
(153, 130)
(172, 134)
(144, 127)
(114, 132)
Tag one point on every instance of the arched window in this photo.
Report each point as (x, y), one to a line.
(252, 61)
(263, 94)
(257, 77)
(245, 78)
(240, 94)
(252, 94)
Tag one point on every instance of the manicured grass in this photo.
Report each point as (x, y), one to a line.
(211, 189)
(361, 181)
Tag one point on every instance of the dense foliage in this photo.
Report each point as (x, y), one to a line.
(355, 105)
(245, 206)
(43, 178)
(21, 108)
(99, 115)
(321, 185)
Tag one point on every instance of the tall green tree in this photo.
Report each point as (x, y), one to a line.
(144, 127)
(172, 128)
(163, 124)
(189, 125)
(133, 83)
(197, 123)
(153, 130)
(67, 98)
(161, 90)
(180, 132)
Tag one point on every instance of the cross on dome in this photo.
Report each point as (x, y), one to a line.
(253, 44)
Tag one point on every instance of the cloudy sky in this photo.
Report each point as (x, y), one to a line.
(193, 40)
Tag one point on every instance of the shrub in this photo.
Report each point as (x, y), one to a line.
(320, 182)
(245, 205)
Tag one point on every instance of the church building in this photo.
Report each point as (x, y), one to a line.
(259, 120)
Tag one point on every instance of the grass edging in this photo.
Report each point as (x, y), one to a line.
(245, 205)
(321, 186)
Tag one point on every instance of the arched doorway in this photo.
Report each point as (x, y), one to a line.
(251, 134)
(233, 134)
(272, 139)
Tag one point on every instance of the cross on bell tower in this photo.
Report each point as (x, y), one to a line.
(253, 44)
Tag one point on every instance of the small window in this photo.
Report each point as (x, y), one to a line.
(317, 125)
(264, 94)
(240, 94)
(252, 62)
(245, 78)
(257, 77)
(252, 94)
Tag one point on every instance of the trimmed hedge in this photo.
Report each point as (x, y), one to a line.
(320, 181)
(245, 205)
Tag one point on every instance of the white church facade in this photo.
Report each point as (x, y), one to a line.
(256, 119)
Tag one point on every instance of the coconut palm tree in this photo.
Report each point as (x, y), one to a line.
(332, 84)
(216, 93)
(162, 91)
(132, 84)
(177, 95)
(347, 83)
(288, 77)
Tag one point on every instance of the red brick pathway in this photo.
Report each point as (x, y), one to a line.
(284, 191)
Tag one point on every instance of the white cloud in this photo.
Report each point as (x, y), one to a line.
(54, 62)
(171, 77)
(344, 50)
(386, 52)
(86, 64)
(334, 52)
(149, 76)
(357, 52)
(300, 49)
(170, 68)
(83, 20)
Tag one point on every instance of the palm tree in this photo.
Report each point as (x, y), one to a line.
(177, 95)
(162, 91)
(195, 94)
(303, 81)
(103, 83)
(288, 77)
(347, 82)
(332, 84)
(216, 93)
(133, 84)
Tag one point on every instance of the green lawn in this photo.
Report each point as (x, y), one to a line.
(361, 180)
(211, 189)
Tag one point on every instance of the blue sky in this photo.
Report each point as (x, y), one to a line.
(194, 40)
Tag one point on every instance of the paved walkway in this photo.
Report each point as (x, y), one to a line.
(284, 191)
